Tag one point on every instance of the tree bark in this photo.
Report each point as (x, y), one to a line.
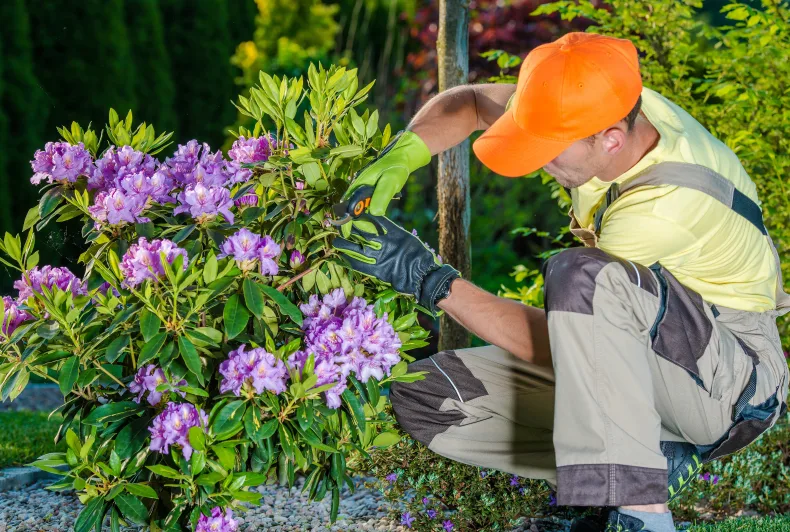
(452, 48)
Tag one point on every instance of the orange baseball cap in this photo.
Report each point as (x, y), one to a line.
(567, 90)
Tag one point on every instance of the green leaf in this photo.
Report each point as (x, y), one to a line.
(210, 269)
(142, 490)
(236, 316)
(404, 322)
(113, 351)
(191, 358)
(356, 408)
(373, 391)
(209, 479)
(197, 438)
(89, 515)
(68, 375)
(229, 419)
(322, 281)
(348, 150)
(386, 439)
(183, 233)
(208, 332)
(151, 348)
(132, 437)
(115, 463)
(112, 412)
(253, 297)
(149, 324)
(226, 456)
(31, 218)
(286, 307)
(132, 508)
(50, 201)
(164, 471)
(145, 229)
(399, 369)
(311, 172)
(73, 441)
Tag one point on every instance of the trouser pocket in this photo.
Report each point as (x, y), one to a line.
(682, 330)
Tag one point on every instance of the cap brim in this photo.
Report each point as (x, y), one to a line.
(510, 151)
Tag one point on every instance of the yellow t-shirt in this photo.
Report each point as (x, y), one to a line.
(704, 244)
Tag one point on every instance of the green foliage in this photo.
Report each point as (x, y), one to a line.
(753, 479)
(26, 436)
(746, 524)
(23, 105)
(471, 497)
(94, 33)
(289, 34)
(199, 309)
(154, 87)
(5, 196)
(199, 44)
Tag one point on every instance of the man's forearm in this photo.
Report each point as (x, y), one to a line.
(450, 117)
(516, 328)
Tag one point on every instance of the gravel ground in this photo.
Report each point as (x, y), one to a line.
(36, 509)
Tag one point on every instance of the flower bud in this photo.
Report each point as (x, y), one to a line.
(297, 259)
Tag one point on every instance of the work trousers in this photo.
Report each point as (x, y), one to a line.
(637, 359)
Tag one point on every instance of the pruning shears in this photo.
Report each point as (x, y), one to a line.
(353, 206)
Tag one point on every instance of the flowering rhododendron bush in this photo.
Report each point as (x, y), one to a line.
(215, 340)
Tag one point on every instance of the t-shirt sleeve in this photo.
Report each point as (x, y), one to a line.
(645, 238)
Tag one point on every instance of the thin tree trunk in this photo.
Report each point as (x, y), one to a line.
(452, 48)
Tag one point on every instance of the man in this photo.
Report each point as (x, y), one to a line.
(658, 347)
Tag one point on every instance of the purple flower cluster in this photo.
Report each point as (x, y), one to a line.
(205, 179)
(144, 260)
(217, 522)
(249, 249)
(252, 150)
(34, 279)
(127, 182)
(61, 162)
(257, 368)
(171, 427)
(345, 337)
(147, 379)
(12, 317)
(713, 479)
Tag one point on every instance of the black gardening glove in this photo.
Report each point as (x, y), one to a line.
(398, 257)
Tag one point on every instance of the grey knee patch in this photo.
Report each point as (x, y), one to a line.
(570, 275)
(417, 404)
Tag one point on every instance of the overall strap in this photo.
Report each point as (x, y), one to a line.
(709, 182)
(691, 176)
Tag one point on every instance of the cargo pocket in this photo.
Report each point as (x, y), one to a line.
(749, 422)
(682, 330)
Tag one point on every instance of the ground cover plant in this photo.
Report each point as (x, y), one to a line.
(215, 340)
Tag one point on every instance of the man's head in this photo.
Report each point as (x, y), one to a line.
(589, 157)
(573, 111)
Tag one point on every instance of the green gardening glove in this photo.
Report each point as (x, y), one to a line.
(390, 170)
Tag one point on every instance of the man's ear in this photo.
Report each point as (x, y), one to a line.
(613, 139)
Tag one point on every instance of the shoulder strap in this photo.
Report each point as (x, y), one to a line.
(691, 176)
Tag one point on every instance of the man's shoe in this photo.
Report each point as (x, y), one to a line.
(624, 523)
(683, 465)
